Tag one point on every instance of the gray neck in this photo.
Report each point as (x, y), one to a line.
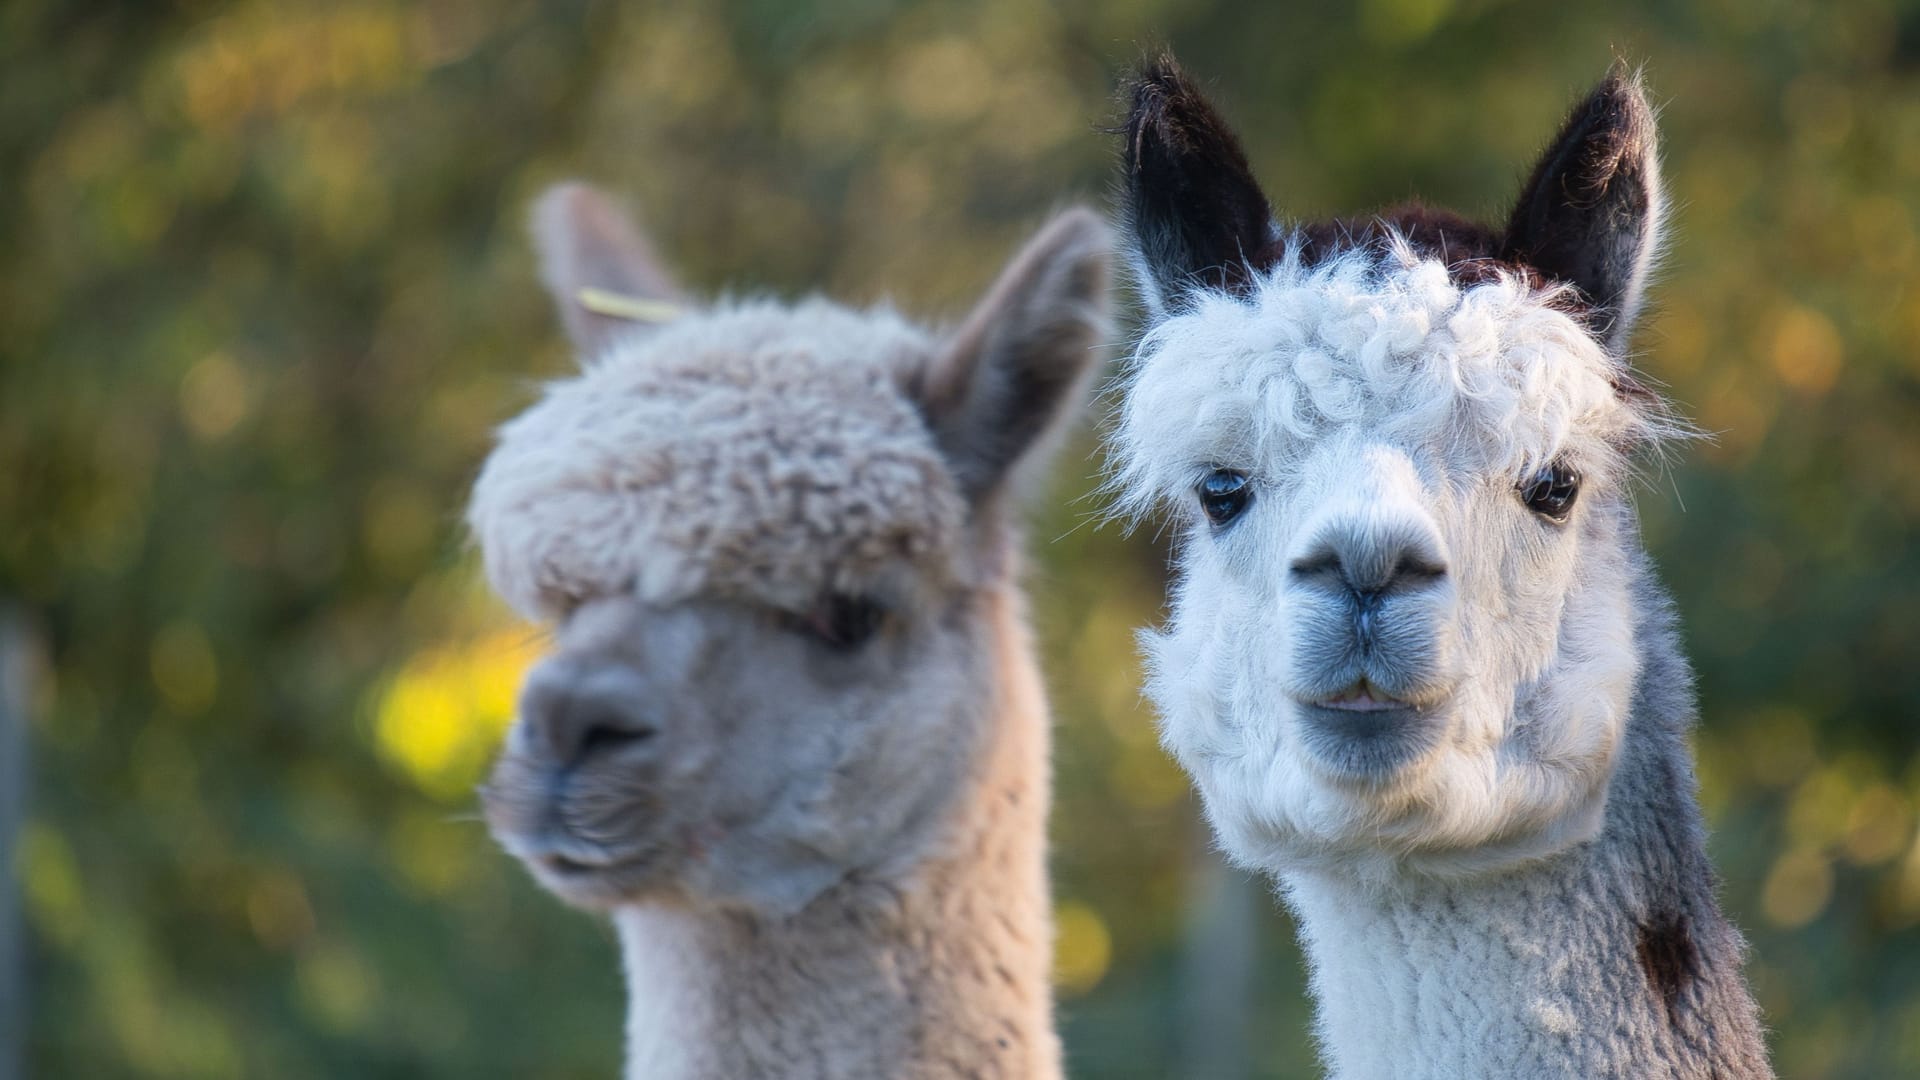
(940, 972)
(1610, 959)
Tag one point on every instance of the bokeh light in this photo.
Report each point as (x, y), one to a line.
(266, 291)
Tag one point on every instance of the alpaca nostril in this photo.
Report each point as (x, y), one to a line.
(603, 716)
(576, 711)
(1416, 569)
(1322, 563)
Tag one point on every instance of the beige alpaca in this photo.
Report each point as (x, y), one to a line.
(792, 736)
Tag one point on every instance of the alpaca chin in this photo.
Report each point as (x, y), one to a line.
(603, 888)
(1371, 748)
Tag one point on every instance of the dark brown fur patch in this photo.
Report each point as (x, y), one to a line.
(1669, 957)
(1470, 250)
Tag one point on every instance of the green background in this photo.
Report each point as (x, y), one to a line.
(265, 287)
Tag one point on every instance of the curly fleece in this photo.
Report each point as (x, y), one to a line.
(754, 450)
(1495, 372)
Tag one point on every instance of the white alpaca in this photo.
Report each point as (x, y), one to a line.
(1417, 661)
(792, 735)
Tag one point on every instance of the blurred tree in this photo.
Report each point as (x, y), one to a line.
(264, 292)
(17, 664)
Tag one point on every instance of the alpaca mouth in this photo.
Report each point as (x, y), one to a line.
(557, 855)
(571, 867)
(567, 866)
(565, 857)
(1364, 734)
(1363, 697)
(595, 882)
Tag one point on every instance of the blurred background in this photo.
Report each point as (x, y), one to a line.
(265, 289)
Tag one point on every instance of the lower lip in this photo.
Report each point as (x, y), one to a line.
(1363, 704)
(1366, 745)
(561, 866)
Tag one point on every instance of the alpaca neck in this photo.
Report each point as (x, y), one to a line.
(1611, 958)
(942, 971)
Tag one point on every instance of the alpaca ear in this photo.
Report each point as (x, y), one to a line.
(1193, 211)
(1006, 379)
(1591, 213)
(592, 258)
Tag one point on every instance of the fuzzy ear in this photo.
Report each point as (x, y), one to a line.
(1592, 211)
(1193, 211)
(586, 243)
(1008, 376)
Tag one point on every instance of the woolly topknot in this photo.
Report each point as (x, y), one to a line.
(756, 451)
(1497, 374)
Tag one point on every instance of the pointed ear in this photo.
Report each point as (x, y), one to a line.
(586, 243)
(1015, 368)
(1591, 213)
(1193, 211)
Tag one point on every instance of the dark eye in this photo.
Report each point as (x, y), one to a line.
(842, 621)
(1224, 494)
(1551, 491)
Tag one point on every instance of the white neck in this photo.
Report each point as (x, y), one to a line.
(942, 973)
(1608, 959)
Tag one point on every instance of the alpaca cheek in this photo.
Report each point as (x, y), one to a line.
(1188, 712)
(1479, 717)
(1258, 805)
(1593, 696)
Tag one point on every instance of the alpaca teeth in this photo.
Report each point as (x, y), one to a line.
(1362, 696)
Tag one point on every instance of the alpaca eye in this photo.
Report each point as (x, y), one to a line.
(1224, 494)
(1551, 491)
(843, 622)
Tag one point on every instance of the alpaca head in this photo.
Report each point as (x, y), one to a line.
(1400, 450)
(763, 533)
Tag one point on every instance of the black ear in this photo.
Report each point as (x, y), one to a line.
(596, 263)
(1591, 213)
(1193, 211)
(1011, 373)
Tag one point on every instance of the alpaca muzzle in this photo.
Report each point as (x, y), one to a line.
(577, 793)
(1370, 599)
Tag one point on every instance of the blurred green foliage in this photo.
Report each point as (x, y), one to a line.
(264, 290)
